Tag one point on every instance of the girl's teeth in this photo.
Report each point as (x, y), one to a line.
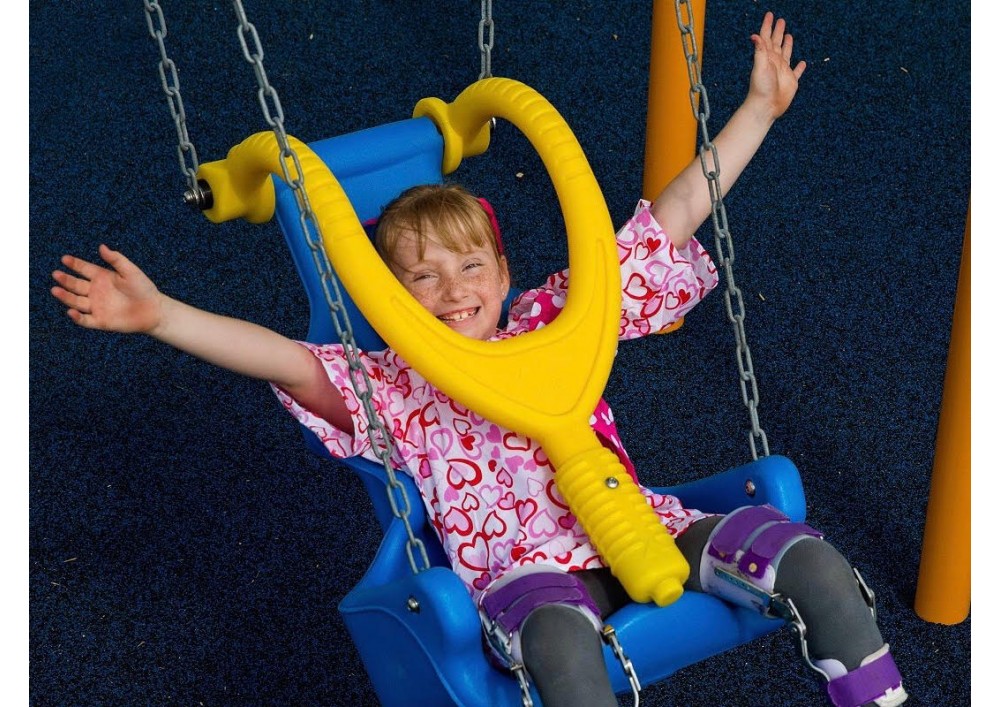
(460, 316)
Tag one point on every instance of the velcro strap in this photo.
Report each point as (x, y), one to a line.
(769, 543)
(738, 526)
(508, 606)
(864, 684)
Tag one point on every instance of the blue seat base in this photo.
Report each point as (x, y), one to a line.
(437, 650)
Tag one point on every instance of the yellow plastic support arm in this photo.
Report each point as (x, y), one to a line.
(544, 384)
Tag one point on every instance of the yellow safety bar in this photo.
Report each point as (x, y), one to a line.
(544, 384)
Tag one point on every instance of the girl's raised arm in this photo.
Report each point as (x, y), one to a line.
(684, 204)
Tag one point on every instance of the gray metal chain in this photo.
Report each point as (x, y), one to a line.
(186, 152)
(723, 241)
(486, 39)
(611, 639)
(379, 437)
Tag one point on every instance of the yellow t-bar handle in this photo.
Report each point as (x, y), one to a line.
(544, 384)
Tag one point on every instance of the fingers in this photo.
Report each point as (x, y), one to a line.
(80, 266)
(78, 318)
(107, 255)
(766, 24)
(75, 285)
(778, 34)
(86, 271)
(83, 319)
(89, 270)
(73, 291)
(786, 48)
(76, 303)
(116, 260)
(773, 32)
(773, 37)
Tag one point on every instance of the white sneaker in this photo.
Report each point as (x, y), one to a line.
(893, 696)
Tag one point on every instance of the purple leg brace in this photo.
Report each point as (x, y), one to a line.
(764, 546)
(740, 559)
(508, 606)
(505, 608)
(867, 683)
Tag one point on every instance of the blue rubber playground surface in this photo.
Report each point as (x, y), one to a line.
(185, 545)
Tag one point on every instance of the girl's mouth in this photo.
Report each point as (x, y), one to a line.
(458, 316)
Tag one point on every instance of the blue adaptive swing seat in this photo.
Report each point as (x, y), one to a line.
(419, 635)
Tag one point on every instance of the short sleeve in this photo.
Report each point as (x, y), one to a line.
(660, 283)
(337, 442)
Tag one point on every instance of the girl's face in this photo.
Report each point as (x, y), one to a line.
(464, 290)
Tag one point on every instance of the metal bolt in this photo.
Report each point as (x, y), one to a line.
(750, 488)
(413, 605)
(200, 198)
(611, 482)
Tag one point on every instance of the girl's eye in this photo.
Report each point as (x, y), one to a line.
(422, 276)
(473, 266)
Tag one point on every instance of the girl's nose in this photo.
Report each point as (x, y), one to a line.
(452, 288)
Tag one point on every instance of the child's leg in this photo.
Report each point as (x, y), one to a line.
(823, 586)
(750, 554)
(563, 654)
(545, 620)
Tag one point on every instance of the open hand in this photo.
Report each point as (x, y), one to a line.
(122, 299)
(773, 80)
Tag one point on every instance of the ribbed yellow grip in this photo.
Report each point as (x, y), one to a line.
(623, 527)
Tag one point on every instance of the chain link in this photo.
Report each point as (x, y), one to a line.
(171, 84)
(377, 434)
(611, 639)
(486, 39)
(520, 672)
(724, 248)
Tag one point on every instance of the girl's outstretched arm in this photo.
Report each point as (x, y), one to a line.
(684, 204)
(124, 299)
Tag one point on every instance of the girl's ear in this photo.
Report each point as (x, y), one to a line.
(504, 276)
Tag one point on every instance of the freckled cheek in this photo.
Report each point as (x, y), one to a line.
(486, 282)
(423, 295)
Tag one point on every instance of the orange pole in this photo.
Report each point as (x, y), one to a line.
(671, 128)
(944, 585)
